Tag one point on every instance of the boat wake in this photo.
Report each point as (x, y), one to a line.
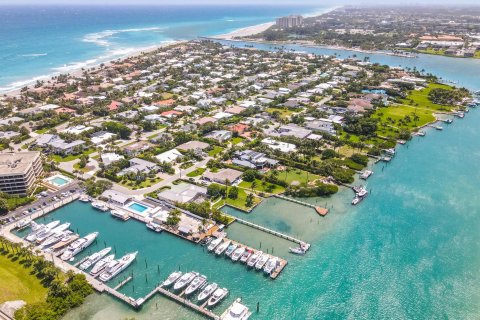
(102, 38)
(34, 55)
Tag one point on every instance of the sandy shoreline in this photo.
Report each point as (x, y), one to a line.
(245, 32)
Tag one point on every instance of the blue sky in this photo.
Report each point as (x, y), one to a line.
(234, 2)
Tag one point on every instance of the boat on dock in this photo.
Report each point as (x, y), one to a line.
(207, 291)
(100, 206)
(172, 278)
(246, 255)
(121, 265)
(68, 238)
(366, 174)
(254, 258)
(59, 229)
(236, 311)
(196, 284)
(154, 226)
(94, 258)
(271, 265)
(301, 249)
(214, 243)
(231, 249)
(85, 198)
(237, 253)
(421, 133)
(102, 264)
(390, 151)
(22, 224)
(217, 296)
(42, 230)
(222, 247)
(261, 261)
(122, 215)
(78, 245)
(206, 241)
(55, 238)
(184, 280)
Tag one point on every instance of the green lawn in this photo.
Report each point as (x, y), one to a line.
(262, 188)
(236, 140)
(18, 284)
(239, 202)
(216, 150)
(59, 158)
(42, 131)
(395, 118)
(284, 112)
(197, 172)
(76, 166)
(298, 175)
(419, 98)
(145, 184)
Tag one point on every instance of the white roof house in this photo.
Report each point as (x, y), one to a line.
(111, 157)
(77, 129)
(278, 145)
(169, 156)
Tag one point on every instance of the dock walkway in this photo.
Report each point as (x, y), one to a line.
(321, 211)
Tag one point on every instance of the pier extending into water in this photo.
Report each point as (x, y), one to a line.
(321, 211)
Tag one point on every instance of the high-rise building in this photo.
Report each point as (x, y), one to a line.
(19, 171)
(290, 21)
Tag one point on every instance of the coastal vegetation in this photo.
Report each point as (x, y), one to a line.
(49, 293)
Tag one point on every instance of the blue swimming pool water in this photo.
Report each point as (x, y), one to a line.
(137, 207)
(59, 181)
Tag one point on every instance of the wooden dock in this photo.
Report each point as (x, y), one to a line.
(321, 211)
(270, 231)
(124, 282)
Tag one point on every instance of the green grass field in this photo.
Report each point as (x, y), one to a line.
(394, 118)
(236, 140)
(262, 188)
(18, 284)
(297, 175)
(197, 172)
(59, 158)
(419, 98)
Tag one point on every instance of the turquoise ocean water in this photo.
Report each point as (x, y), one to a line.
(409, 251)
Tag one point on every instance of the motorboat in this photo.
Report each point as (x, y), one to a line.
(206, 241)
(100, 265)
(390, 151)
(55, 238)
(196, 284)
(217, 296)
(172, 278)
(100, 206)
(43, 229)
(231, 249)
(184, 280)
(214, 244)
(271, 265)
(207, 291)
(366, 174)
(222, 247)
(78, 245)
(122, 264)
(254, 258)
(297, 250)
(35, 226)
(85, 198)
(261, 261)
(238, 253)
(236, 311)
(48, 234)
(122, 215)
(361, 192)
(68, 238)
(94, 258)
(154, 226)
(246, 255)
(24, 223)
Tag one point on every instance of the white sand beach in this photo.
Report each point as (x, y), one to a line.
(245, 32)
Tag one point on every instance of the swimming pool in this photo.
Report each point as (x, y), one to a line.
(59, 180)
(137, 207)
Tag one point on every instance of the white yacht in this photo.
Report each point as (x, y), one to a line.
(196, 284)
(231, 249)
(102, 264)
(94, 258)
(366, 174)
(207, 291)
(236, 311)
(68, 238)
(271, 265)
(122, 264)
(43, 229)
(214, 244)
(261, 261)
(238, 253)
(222, 247)
(246, 255)
(85, 198)
(100, 206)
(35, 226)
(184, 280)
(217, 296)
(154, 226)
(254, 258)
(55, 238)
(172, 278)
(56, 230)
(78, 245)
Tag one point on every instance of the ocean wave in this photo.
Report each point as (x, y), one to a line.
(34, 54)
(101, 38)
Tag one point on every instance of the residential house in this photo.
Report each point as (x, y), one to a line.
(139, 166)
(219, 135)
